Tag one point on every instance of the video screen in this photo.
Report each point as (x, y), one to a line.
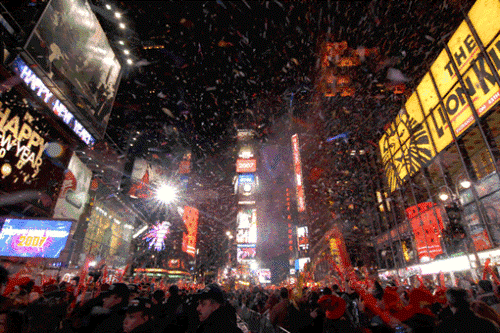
(246, 253)
(33, 237)
(71, 47)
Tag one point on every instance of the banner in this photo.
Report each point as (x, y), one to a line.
(406, 146)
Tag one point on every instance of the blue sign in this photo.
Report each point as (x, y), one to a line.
(33, 238)
(246, 178)
(36, 85)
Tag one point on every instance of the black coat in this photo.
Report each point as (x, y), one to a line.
(466, 321)
(221, 320)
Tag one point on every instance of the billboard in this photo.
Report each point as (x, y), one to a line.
(302, 238)
(36, 85)
(70, 46)
(246, 231)
(156, 236)
(74, 191)
(246, 178)
(427, 222)
(33, 237)
(264, 275)
(297, 167)
(300, 263)
(440, 104)
(246, 252)
(24, 133)
(190, 218)
(246, 165)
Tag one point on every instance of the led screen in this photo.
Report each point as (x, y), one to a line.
(246, 253)
(264, 275)
(246, 178)
(71, 47)
(247, 226)
(33, 238)
(299, 263)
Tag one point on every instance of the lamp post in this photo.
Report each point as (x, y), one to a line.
(447, 195)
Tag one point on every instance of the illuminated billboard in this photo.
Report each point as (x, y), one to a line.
(246, 231)
(70, 46)
(246, 165)
(441, 100)
(302, 238)
(190, 218)
(246, 178)
(36, 85)
(297, 167)
(300, 263)
(246, 252)
(264, 275)
(74, 191)
(33, 237)
(427, 222)
(24, 134)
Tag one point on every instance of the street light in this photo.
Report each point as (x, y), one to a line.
(166, 193)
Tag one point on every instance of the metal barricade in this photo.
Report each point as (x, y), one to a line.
(259, 323)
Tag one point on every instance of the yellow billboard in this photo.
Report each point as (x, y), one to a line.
(422, 129)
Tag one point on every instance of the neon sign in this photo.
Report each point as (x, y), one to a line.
(301, 202)
(37, 86)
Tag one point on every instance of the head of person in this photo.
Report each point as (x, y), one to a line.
(138, 312)
(158, 296)
(173, 290)
(117, 294)
(485, 286)
(209, 300)
(458, 299)
(284, 293)
(327, 291)
(133, 291)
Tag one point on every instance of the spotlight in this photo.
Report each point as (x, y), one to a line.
(118, 15)
(443, 196)
(121, 42)
(465, 183)
(108, 7)
(127, 52)
(122, 25)
(129, 61)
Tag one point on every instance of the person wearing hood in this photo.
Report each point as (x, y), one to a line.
(215, 314)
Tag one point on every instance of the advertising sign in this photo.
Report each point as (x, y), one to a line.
(246, 178)
(36, 85)
(426, 221)
(264, 275)
(300, 263)
(71, 47)
(407, 144)
(246, 231)
(246, 165)
(190, 218)
(302, 238)
(246, 252)
(74, 191)
(33, 237)
(301, 203)
(24, 134)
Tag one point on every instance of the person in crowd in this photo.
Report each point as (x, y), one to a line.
(484, 310)
(215, 314)
(109, 317)
(463, 318)
(487, 295)
(279, 312)
(157, 298)
(138, 316)
(334, 308)
(133, 291)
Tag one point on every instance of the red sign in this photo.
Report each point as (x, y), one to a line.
(301, 202)
(246, 165)
(427, 228)
(190, 218)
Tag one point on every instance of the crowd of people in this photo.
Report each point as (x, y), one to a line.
(149, 307)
